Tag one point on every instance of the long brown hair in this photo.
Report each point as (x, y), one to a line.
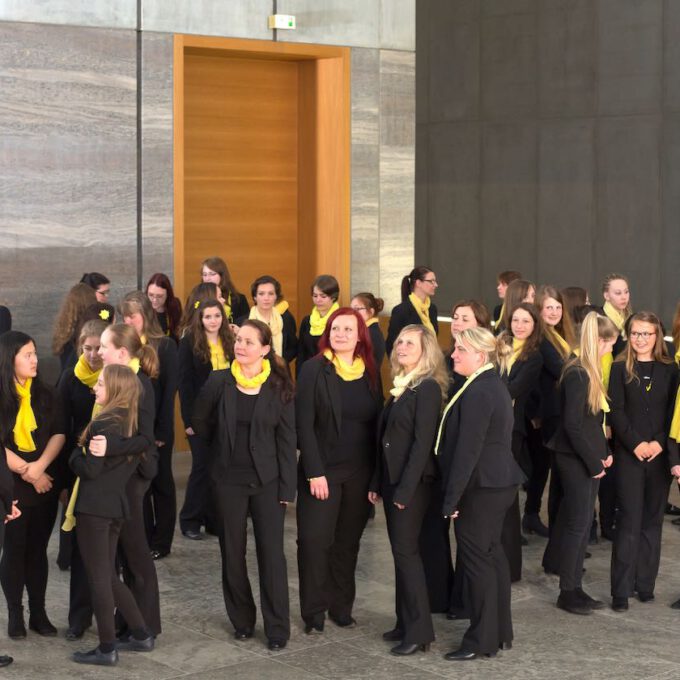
(219, 266)
(126, 337)
(67, 323)
(516, 292)
(173, 307)
(199, 338)
(532, 342)
(136, 301)
(565, 327)
(199, 294)
(659, 354)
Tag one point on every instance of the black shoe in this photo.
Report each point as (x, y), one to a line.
(276, 645)
(5, 660)
(551, 572)
(505, 645)
(620, 604)
(523, 540)
(569, 602)
(454, 615)
(587, 555)
(672, 509)
(676, 521)
(314, 627)
(460, 655)
(645, 597)
(73, 633)
(675, 605)
(159, 554)
(243, 633)
(343, 621)
(531, 524)
(405, 649)
(16, 628)
(134, 645)
(95, 657)
(394, 635)
(192, 535)
(40, 624)
(587, 600)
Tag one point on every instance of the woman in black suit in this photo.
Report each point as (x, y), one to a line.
(503, 280)
(215, 270)
(520, 369)
(160, 508)
(581, 457)
(519, 290)
(167, 307)
(480, 479)
(642, 388)
(9, 510)
(101, 506)
(369, 307)
(405, 471)
(248, 415)
(416, 307)
(337, 408)
(325, 292)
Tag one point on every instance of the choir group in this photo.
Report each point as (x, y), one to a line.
(547, 386)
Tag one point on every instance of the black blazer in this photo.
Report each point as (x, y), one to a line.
(548, 379)
(318, 408)
(165, 388)
(378, 343)
(239, 307)
(579, 432)
(521, 381)
(406, 440)
(193, 372)
(272, 431)
(5, 319)
(308, 345)
(638, 415)
(290, 341)
(475, 448)
(403, 315)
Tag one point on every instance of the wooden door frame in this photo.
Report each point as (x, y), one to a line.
(324, 151)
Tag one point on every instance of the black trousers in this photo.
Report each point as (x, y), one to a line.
(642, 491)
(24, 557)
(267, 514)
(511, 539)
(540, 468)
(435, 552)
(551, 554)
(608, 498)
(98, 540)
(575, 516)
(199, 505)
(80, 601)
(486, 575)
(329, 533)
(139, 571)
(403, 527)
(160, 504)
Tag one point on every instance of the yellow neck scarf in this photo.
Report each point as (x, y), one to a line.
(275, 326)
(227, 308)
(85, 374)
(134, 364)
(454, 399)
(25, 422)
(254, 382)
(677, 357)
(614, 315)
(675, 423)
(217, 359)
(517, 346)
(558, 341)
(317, 323)
(347, 372)
(281, 307)
(422, 308)
(371, 321)
(401, 382)
(606, 363)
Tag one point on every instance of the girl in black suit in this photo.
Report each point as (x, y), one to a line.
(248, 415)
(325, 292)
(271, 308)
(416, 307)
(101, 507)
(160, 509)
(520, 369)
(642, 388)
(519, 290)
(215, 270)
(68, 321)
(617, 307)
(369, 307)
(32, 433)
(503, 280)
(405, 470)
(167, 307)
(480, 479)
(337, 408)
(208, 345)
(581, 457)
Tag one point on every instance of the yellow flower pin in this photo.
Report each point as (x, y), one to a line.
(197, 304)
(104, 314)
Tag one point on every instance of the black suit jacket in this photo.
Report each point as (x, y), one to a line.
(5, 319)
(308, 346)
(290, 341)
(475, 450)
(403, 315)
(318, 408)
(579, 432)
(406, 440)
(193, 372)
(272, 431)
(378, 343)
(553, 363)
(521, 381)
(165, 388)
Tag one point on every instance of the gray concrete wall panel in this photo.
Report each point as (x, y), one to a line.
(103, 13)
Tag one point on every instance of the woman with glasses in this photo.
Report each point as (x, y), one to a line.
(416, 307)
(168, 308)
(99, 284)
(642, 388)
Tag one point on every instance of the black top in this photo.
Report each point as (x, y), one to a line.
(475, 447)
(579, 432)
(193, 372)
(165, 387)
(290, 341)
(308, 345)
(68, 357)
(241, 469)
(378, 343)
(547, 386)
(521, 381)
(5, 319)
(272, 431)
(406, 432)
(164, 323)
(403, 315)
(239, 307)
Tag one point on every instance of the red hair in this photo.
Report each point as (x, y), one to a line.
(173, 307)
(364, 348)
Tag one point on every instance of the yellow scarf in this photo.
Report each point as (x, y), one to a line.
(281, 307)
(85, 374)
(422, 308)
(142, 337)
(517, 346)
(615, 316)
(275, 326)
(250, 383)
(371, 321)
(556, 339)
(401, 382)
(25, 422)
(134, 364)
(227, 308)
(675, 423)
(454, 399)
(347, 372)
(317, 323)
(217, 359)
(677, 357)
(606, 364)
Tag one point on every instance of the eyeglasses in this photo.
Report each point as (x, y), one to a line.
(432, 281)
(158, 296)
(359, 309)
(644, 335)
(104, 293)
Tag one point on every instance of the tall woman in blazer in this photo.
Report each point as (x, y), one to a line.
(520, 368)
(369, 307)
(581, 457)
(337, 408)
(167, 307)
(160, 510)
(642, 388)
(405, 471)
(32, 434)
(215, 270)
(480, 478)
(416, 307)
(247, 413)
(208, 345)
(617, 307)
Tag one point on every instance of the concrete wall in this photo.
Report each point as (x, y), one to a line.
(69, 141)
(548, 141)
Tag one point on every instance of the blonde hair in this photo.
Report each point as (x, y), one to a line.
(659, 352)
(91, 329)
(431, 362)
(126, 337)
(483, 340)
(605, 288)
(137, 302)
(564, 328)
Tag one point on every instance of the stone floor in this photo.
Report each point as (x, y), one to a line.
(197, 639)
